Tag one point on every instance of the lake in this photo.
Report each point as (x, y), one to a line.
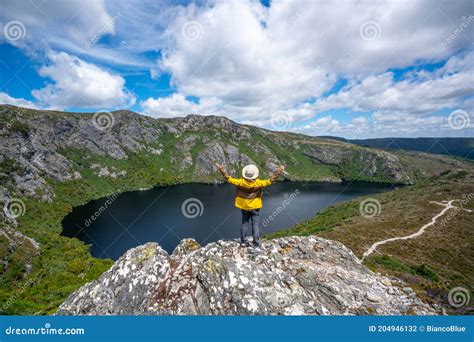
(204, 212)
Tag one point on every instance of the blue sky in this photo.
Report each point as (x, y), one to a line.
(356, 70)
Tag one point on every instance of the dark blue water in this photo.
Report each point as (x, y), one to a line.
(204, 212)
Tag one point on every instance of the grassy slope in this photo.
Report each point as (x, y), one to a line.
(432, 263)
(66, 264)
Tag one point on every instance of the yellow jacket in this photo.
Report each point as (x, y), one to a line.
(249, 192)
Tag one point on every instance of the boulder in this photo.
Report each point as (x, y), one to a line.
(286, 276)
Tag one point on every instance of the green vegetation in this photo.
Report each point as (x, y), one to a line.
(65, 264)
(20, 127)
(438, 260)
(392, 264)
(325, 220)
(297, 163)
(7, 167)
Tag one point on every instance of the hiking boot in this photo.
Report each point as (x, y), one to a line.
(245, 243)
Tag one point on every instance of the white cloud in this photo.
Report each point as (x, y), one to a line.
(251, 63)
(406, 108)
(177, 105)
(154, 74)
(401, 108)
(362, 127)
(55, 20)
(447, 87)
(20, 102)
(236, 61)
(324, 124)
(77, 26)
(273, 59)
(80, 84)
(174, 105)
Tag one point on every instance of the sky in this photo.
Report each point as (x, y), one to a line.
(354, 69)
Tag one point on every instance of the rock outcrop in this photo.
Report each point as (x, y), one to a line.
(286, 276)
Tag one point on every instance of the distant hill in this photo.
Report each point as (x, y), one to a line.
(459, 147)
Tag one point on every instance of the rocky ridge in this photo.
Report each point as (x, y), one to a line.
(35, 146)
(286, 276)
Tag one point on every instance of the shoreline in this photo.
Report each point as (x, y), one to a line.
(105, 201)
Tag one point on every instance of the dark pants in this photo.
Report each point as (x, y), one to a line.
(247, 217)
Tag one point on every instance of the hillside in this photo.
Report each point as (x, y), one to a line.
(440, 259)
(51, 161)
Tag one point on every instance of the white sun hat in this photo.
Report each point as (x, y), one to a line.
(250, 172)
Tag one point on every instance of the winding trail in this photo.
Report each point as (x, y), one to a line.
(447, 205)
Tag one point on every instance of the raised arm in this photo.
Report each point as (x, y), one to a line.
(277, 173)
(222, 170)
(272, 179)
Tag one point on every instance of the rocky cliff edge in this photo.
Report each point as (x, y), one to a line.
(286, 276)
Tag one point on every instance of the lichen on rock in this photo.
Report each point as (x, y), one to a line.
(286, 276)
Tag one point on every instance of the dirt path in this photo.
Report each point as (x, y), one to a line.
(447, 205)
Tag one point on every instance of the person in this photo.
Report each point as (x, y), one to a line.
(249, 198)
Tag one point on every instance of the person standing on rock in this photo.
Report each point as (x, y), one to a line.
(249, 198)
